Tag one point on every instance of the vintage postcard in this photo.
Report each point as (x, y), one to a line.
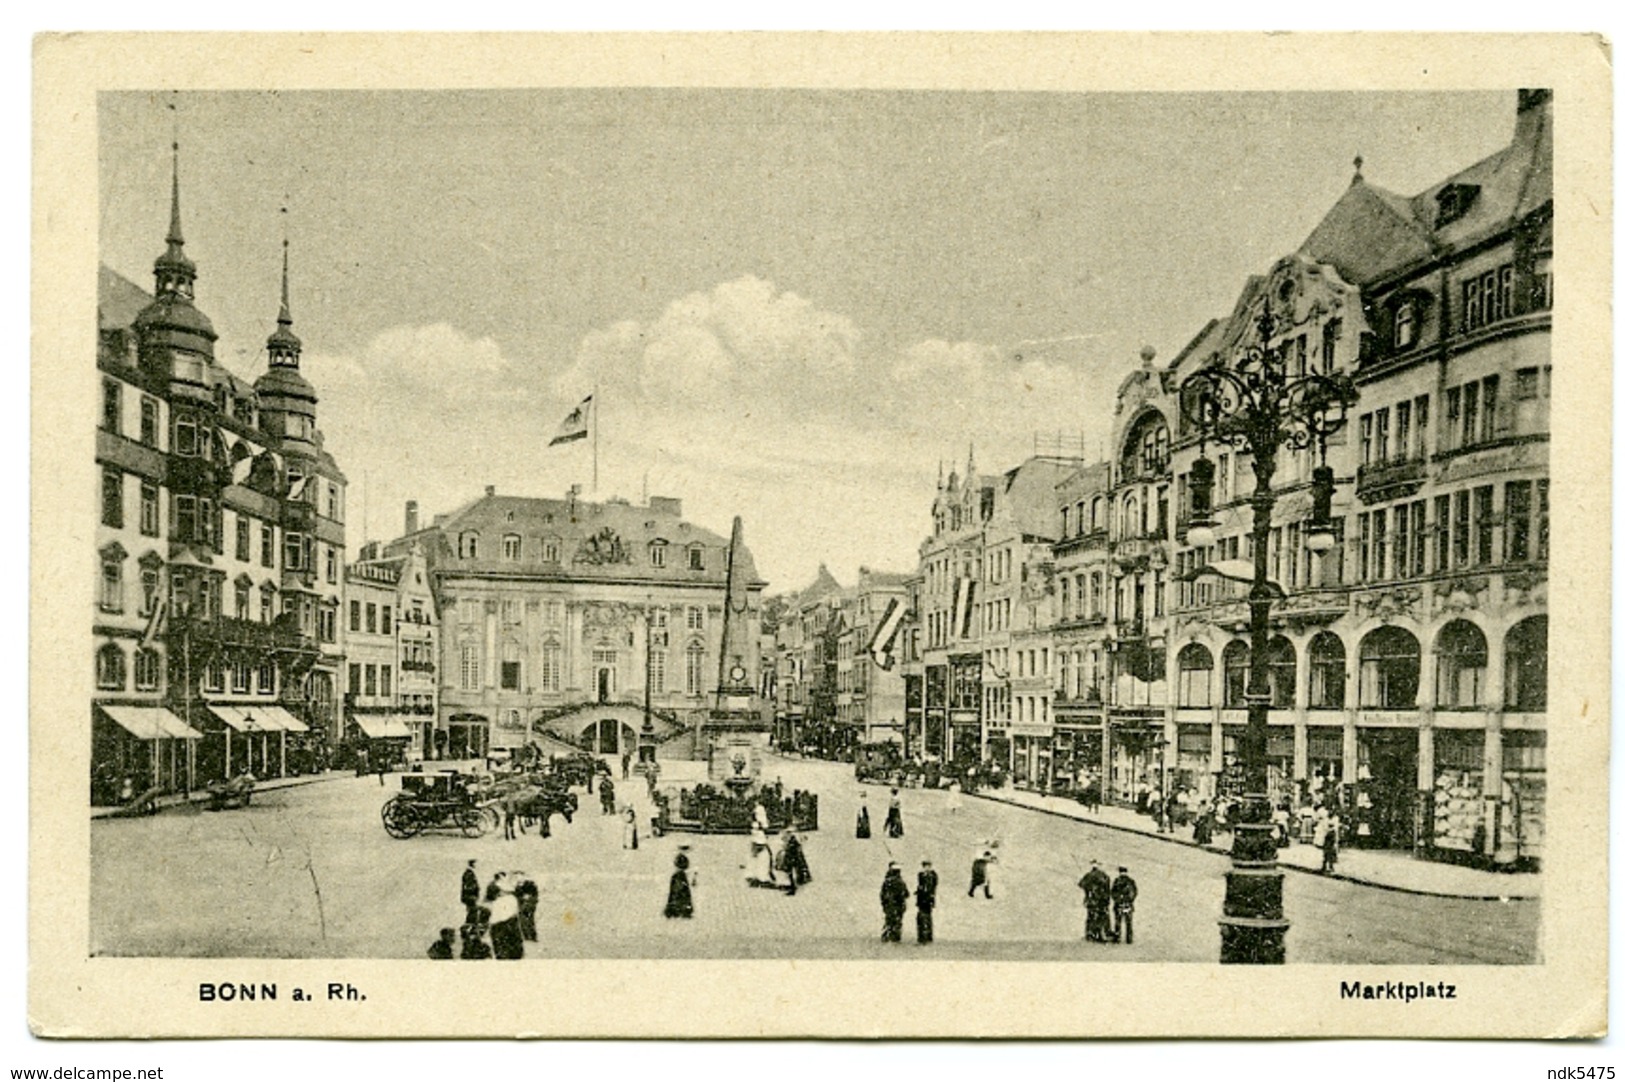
(742, 524)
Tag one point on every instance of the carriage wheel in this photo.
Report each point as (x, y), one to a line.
(472, 821)
(399, 821)
(491, 818)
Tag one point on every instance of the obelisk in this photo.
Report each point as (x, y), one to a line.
(736, 728)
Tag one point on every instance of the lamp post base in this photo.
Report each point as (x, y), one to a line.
(1253, 928)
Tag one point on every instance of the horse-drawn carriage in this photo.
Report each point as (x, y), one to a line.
(535, 797)
(238, 792)
(444, 801)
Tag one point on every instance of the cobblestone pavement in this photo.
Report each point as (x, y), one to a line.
(308, 871)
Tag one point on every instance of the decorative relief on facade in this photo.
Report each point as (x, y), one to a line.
(1386, 605)
(607, 618)
(603, 547)
(1459, 595)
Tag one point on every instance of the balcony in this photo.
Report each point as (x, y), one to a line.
(281, 634)
(417, 666)
(1397, 478)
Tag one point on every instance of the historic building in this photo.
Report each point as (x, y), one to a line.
(390, 636)
(219, 544)
(869, 694)
(806, 646)
(561, 616)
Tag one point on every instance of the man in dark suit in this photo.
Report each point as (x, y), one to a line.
(1124, 891)
(925, 901)
(471, 890)
(1097, 892)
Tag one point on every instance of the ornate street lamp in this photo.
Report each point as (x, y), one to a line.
(1254, 405)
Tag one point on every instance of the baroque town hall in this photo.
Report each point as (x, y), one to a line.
(219, 547)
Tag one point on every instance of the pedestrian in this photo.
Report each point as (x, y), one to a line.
(474, 946)
(606, 797)
(1124, 891)
(1328, 845)
(361, 762)
(795, 861)
(471, 890)
(529, 896)
(925, 901)
(629, 828)
(863, 815)
(445, 948)
(955, 801)
(893, 903)
(894, 817)
(759, 865)
(507, 940)
(510, 816)
(1202, 834)
(381, 764)
(680, 895)
(1097, 891)
(981, 874)
(626, 765)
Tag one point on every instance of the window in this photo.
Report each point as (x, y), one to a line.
(241, 677)
(1329, 334)
(470, 667)
(332, 563)
(1380, 436)
(240, 600)
(386, 680)
(1487, 298)
(1326, 672)
(1390, 667)
(468, 546)
(1402, 431)
(694, 669)
(1531, 400)
(150, 581)
(1450, 439)
(1283, 672)
(147, 669)
(267, 603)
(214, 677)
(355, 678)
(371, 680)
(267, 678)
(112, 599)
(1235, 673)
(1461, 659)
(293, 552)
(355, 616)
(112, 497)
(1469, 416)
(267, 546)
(185, 442)
(333, 501)
(1195, 676)
(149, 421)
(1462, 548)
(327, 623)
(113, 406)
(1484, 524)
(696, 618)
(1420, 414)
(696, 558)
(550, 550)
(149, 509)
(110, 668)
(384, 617)
(372, 618)
(552, 656)
(1526, 665)
(1402, 541)
(509, 675)
(1542, 519)
(511, 546)
(1520, 527)
(1487, 430)
(657, 672)
(1405, 325)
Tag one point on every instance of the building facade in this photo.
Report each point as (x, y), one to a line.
(562, 616)
(220, 537)
(390, 645)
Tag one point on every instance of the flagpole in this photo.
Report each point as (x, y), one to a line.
(595, 427)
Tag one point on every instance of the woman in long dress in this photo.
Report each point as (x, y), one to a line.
(863, 815)
(759, 868)
(507, 940)
(629, 829)
(680, 895)
(894, 817)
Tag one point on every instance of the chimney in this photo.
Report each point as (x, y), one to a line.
(1534, 108)
(490, 490)
(411, 516)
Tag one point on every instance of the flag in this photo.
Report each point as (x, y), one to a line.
(574, 427)
(886, 634)
(964, 606)
(154, 622)
(241, 469)
(296, 491)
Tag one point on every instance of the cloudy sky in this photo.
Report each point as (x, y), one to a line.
(793, 305)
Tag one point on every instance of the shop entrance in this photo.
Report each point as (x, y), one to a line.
(1383, 816)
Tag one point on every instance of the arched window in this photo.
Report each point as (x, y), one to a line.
(1235, 673)
(1131, 517)
(552, 658)
(1526, 665)
(1283, 662)
(1195, 676)
(694, 669)
(1097, 514)
(1461, 658)
(1326, 672)
(146, 669)
(110, 668)
(1390, 668)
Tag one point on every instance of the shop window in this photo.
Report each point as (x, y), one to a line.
(110, 668)
(1526, 665)
(1195, 676)
(1390, 668)
(1326, 672)
(1235, 673)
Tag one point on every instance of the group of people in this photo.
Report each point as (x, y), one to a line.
(894, 903)
(894, 816)
(497, 921)
(1108, 905)
(767, 862)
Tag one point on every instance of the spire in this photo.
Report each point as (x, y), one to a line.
(284, 318)
(1359, 163)
(172, 272)
(283, 346)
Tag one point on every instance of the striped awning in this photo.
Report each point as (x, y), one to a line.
(150, 722)
(245, 719)
(383, 726)
(283, 718)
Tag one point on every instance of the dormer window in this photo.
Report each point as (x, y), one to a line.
(468, 546)
(1405, 321)
(696, 558)
(550, 550)
(1454, 201)
(511, 546)
(657, 554)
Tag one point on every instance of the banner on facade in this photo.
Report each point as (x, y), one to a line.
(880, 647)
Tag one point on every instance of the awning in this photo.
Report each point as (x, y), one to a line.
(382, 726)
(150, 723)
(283, 719)
(244, 719)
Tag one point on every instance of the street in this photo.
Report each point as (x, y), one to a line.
(308, 872)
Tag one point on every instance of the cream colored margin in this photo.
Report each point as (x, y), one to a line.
(71, 995)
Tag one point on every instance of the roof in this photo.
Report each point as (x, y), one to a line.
(1027, 495)
(118, 300)
(824, 585)
(610, 540)
(1370, 232)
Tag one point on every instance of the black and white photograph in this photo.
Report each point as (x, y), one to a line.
(965, 527)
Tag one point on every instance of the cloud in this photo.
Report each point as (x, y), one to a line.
(743, 399)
